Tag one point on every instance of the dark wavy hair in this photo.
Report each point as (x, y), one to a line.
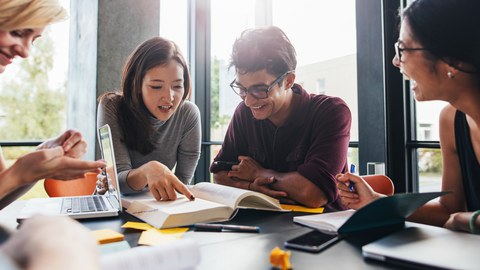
(450, 29)
(134, 114)
(263, 48)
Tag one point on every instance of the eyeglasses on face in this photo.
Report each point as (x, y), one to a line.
(257, 91)
(399, 51)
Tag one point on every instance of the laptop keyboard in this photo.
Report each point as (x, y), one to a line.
(83, 204)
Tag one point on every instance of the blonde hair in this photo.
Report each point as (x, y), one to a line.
(24, 14)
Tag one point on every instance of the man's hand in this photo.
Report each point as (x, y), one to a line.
(262, 185)
(248, 169)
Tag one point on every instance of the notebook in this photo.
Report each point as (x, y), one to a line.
(106, 205)
(426, 246)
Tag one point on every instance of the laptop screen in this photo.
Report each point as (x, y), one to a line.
(110, 186)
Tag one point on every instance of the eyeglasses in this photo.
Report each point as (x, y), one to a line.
(399, 51)
(257, 91)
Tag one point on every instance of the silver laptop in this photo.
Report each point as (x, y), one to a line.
(426, 246)
(105, 203)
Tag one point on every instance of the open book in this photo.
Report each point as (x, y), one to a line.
(384, 212)
(213, 203)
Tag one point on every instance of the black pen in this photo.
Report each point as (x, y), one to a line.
(225, 228)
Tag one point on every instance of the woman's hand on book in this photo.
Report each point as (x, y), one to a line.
(360, 195)
(163, 182)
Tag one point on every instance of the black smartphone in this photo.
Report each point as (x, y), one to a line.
(225, 165)
(314, 241)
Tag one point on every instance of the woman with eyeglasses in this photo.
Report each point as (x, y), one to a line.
(154, 127)
(438, 51)
(288, 144)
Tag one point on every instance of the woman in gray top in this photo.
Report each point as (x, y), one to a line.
(154, 127)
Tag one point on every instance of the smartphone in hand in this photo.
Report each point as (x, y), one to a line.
(314, 241)
(225, 165)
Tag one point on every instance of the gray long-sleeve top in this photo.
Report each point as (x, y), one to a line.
(177, 141)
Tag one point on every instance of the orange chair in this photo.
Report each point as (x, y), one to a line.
(380, 183)
(75, 187)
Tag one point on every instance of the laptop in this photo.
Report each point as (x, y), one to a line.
(426, 246)
(104, 203)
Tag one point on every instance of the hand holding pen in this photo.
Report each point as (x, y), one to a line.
(361, 194)
(351, 184)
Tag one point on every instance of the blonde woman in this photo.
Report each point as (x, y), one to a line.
(21, 23)
(42, 243)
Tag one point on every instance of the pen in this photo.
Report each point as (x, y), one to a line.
(225, 227)
(351, 184)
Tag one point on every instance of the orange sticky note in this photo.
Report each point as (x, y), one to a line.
(107, 236)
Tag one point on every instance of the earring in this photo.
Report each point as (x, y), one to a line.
(450, 75)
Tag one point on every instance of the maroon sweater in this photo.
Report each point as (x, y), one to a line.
(313, 141)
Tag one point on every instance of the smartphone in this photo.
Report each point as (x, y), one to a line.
(314, 241)
(225, 165)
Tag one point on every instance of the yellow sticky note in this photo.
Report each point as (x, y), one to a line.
(177, 232)
(299, 208)
(137, 226)
(153, 237)
(107, 236)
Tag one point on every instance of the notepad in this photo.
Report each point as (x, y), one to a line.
(385, 212)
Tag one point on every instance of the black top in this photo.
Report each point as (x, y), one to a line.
(468, 162)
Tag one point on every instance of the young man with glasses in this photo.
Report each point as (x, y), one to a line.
(282, 141)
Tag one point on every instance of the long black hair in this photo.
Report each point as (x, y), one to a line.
(154, 52)
(450, 29)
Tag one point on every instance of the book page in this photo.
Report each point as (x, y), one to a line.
(178, 255)
(235, 197)
(180, 205)
(218, 193)
(259, 201)
(327, 223)
(143, 196)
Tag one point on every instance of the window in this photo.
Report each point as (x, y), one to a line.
(330, 56)
(174, 23)
(429, 159)
(225, 28)
(320, 89)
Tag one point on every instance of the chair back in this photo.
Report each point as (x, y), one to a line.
(380, 183)
(75, 187)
